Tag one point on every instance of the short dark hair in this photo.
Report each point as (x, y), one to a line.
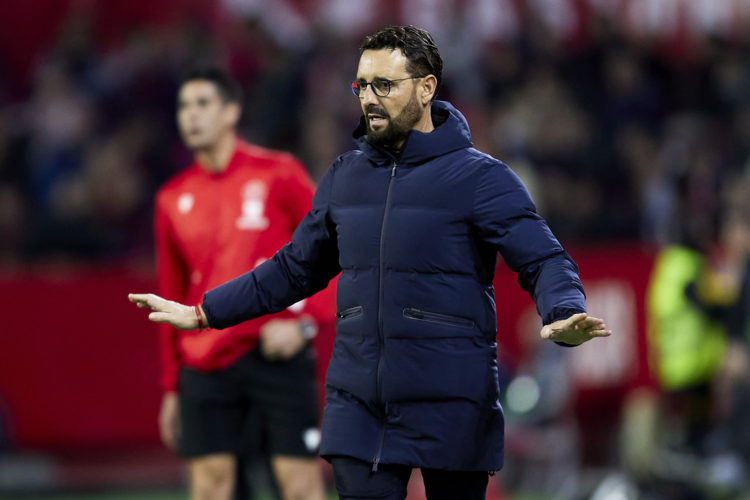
(422, 55)
(229, 89)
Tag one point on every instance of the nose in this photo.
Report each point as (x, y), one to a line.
(189, 112)
(367, 96)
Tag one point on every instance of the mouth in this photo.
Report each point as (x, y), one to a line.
(193, 132)
(376, 119)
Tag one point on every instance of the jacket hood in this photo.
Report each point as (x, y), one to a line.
(451, 133)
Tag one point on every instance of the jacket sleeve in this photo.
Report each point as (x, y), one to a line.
(506, 219)
(172, 284)
(302, 267)
(297, 190)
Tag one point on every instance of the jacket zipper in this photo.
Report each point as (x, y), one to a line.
(349, 312)
(444, 319)
(376, 460)
(378, 388)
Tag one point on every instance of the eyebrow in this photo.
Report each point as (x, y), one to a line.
(381, 78)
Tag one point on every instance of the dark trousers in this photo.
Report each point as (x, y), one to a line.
(356, 480)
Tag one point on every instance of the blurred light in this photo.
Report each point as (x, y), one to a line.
(615, 486)
(523, 394)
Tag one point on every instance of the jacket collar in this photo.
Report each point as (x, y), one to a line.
(451, 133)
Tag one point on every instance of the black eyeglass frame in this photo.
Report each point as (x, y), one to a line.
(355, 84)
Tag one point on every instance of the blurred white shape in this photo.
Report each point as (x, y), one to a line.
(492, 19)
(654, 16)
(297, 307)
(557, 15)
(346, 17)
(430, 15)
(615, 487)
(522, 394)
(311, 437)
(288, 26)
(185, 203)
(710, 16)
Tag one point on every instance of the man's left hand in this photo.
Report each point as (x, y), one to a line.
(575, 330)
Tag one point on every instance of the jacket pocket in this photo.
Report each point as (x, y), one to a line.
(443, 319)
(351, 312)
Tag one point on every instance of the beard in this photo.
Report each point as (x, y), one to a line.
(394, 134)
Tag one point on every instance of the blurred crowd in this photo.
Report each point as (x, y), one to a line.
(629, 121)
(623, 127)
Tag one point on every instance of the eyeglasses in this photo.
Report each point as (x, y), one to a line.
(380, 86)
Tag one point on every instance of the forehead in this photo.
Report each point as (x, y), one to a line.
(383, 63)
(195, 89)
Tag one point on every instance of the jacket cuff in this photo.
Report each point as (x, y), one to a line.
(563, 344)
(558, 313)
(169, 382)
(209, 313)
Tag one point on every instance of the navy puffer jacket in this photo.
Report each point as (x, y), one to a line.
(413, 375)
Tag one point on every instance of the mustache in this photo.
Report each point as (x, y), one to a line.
(373, 109)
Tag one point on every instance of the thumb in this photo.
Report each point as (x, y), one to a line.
(159, 317)
(547, 331)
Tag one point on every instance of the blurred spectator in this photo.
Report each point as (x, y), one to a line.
(592, 97)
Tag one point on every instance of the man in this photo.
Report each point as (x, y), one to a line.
(230, 210)
(414, 220)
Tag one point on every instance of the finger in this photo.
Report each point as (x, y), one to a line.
(576, 319)
(548, 332)
(593, 321)
(591, 325)
(160, 317)
(143, 300)
(600, 333)
(138, 297)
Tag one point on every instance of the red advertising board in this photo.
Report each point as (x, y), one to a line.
(79, 363)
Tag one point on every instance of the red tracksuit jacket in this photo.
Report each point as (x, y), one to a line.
(213, 227)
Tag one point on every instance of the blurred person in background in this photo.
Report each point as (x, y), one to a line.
(415, 219)
(230, 210)
(693, 285)
(724, 295)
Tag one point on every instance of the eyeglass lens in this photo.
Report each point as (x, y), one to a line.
(380, 86)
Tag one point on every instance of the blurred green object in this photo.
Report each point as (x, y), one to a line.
(687, 345)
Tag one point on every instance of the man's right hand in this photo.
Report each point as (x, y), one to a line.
(178, 315)
(169, 419)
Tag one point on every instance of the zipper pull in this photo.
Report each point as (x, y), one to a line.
(393, 170)
(375, 464)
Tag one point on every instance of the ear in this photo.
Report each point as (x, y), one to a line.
(232, 113)
(428, 88)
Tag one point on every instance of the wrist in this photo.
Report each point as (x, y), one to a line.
(308, 328)
(201, 317)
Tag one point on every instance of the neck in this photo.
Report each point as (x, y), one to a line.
(215, 158)
(424, 124)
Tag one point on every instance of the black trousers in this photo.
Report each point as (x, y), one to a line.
(355, 480)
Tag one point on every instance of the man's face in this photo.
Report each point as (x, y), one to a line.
(388, 119)
(203, 116)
